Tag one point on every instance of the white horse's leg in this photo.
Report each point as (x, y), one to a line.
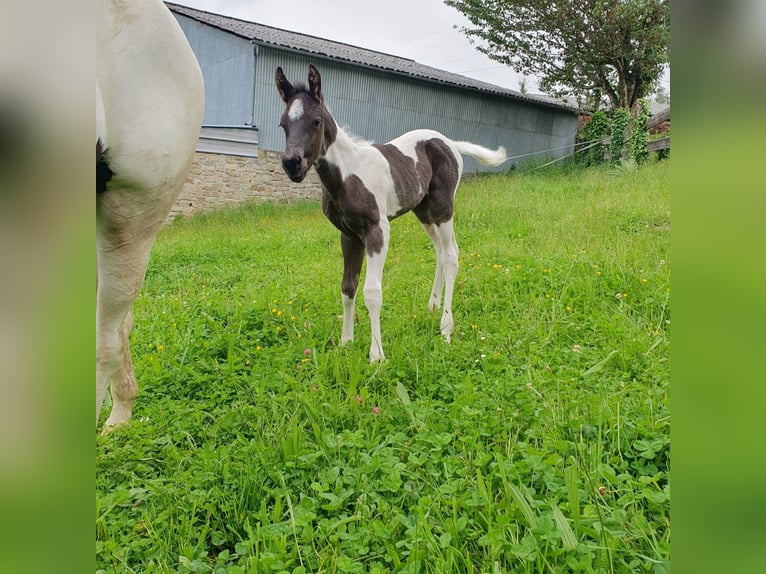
(373, 293)
(147, 124)
(449, 263)
(118, 286)
(434, 302)
(126, 228)
(353, 256)
(114, 366)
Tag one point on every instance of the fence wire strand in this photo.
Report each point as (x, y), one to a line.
(589, 145)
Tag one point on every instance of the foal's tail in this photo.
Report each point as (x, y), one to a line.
(484, 155)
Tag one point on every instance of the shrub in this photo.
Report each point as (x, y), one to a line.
(639, 134)
(593, 130)
(620, 121)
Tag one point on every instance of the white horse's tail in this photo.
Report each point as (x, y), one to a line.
(484, 155)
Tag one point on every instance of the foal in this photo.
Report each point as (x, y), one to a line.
(365, 185)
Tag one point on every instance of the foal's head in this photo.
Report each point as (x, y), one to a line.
(305, 120)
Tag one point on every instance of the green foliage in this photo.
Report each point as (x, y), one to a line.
(601, 126)
(612, 47)
(537, 441)
(619, 126)
(594, 130)
(639, 135)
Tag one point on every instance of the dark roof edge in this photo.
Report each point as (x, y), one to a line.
(469, 84)
(172, 5)
(404, 74)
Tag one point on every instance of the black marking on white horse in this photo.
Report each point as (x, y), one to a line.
(103, 172)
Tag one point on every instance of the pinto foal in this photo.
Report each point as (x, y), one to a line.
(366, 185)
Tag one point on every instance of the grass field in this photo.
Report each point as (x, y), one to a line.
(537, 441)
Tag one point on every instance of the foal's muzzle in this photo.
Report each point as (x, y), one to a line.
(294, 167)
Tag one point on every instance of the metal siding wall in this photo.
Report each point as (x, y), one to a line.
(379, 106)
(268, 105)
(227, 66)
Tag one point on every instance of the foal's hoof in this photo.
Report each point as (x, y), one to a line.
(446, 328)
(110, 427)
(377, 356)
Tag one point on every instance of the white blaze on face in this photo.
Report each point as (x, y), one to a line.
(296, 110)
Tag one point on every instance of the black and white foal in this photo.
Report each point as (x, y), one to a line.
(365, 185)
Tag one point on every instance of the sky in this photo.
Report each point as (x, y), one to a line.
(421, 30)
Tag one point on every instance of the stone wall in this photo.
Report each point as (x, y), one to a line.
(216, 180)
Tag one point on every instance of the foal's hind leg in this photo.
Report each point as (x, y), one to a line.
(448, 261)
(434, 302)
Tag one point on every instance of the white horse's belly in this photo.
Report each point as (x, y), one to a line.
(149, 95)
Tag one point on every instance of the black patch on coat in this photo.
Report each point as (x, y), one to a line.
(330, 128)
(353, 256)
(442, 179)
(103, 172)
(426, 187)
(350, 206)
(410, 179)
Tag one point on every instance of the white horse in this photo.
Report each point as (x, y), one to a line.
(149, 105)
(365, 185)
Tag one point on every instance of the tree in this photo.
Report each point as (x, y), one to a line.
(661, 95)
(576, 47)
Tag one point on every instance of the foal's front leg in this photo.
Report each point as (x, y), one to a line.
(377, 248)
(353, 255)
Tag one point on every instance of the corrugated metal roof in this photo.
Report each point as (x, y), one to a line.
(658, 108)
(261, 33)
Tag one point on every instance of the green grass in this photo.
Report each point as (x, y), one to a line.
(537, 441)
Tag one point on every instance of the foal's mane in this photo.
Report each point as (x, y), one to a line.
(300, 87)
(361, 142)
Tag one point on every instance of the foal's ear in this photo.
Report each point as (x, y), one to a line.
(315, 82)
(284, 87)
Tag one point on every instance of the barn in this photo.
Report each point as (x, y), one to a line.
(376, 96)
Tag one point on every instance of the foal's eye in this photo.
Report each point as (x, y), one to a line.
(317, 122)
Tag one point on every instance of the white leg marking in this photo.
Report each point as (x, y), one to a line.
(434, 302)
(348, 319)
(373, 297)
(449, 262)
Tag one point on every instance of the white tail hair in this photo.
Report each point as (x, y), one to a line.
(484, 155)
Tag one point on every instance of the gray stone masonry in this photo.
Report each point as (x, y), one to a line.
(217, 180)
